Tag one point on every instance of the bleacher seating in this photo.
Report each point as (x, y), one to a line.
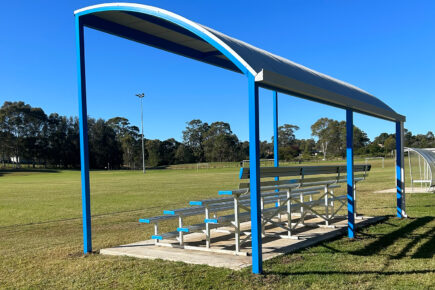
(285, 203)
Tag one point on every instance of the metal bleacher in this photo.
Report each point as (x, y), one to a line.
(307, 192)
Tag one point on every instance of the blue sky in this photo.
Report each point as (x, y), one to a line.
(384, 47)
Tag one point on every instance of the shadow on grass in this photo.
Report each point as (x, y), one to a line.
(384, 241)
(427, 250)
(386, 273)
(418, 206)
(27, 170)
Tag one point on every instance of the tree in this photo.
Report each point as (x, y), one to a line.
(35, 140)
(183, 155)
(105, 151)
(244, 150)
(14, 118)
(266, 150)
(307, 147)
(430, 139)
(153, 148)
(327, 132)
(390, 144)
(5, 149)
(72, 143)
(62, 141)
(194, 136)
(289, 152)
(380, 140)
(286, 135)
(28, 134)
(409, 138)
(288, 149)
(220, 143)
(360, 139)
(120, 125)
(167, 151)
(375, 150)
(129, 138)
(7, 138)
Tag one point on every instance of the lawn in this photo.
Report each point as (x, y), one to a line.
(41, 235)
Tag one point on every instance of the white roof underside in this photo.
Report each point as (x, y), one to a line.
(171, 32)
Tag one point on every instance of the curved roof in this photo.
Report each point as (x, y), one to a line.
(168, 31)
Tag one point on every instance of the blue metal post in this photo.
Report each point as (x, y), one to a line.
(254, 169)
(350, 176)
(399, 166)
(275, 131)
(84, 152)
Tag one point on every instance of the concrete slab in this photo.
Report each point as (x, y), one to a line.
(223, 245)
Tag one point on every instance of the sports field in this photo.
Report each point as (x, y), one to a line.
(41, 235)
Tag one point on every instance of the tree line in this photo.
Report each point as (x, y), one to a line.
(28, 135)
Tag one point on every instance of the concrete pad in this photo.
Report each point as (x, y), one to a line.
(223, 245)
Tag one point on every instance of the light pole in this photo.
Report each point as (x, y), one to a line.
(141, 96)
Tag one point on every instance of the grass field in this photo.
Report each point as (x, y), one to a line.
(41, 235)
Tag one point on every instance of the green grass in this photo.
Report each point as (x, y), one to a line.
(41, 235)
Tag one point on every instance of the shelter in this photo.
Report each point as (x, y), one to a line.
(168, 31)
(422, 167)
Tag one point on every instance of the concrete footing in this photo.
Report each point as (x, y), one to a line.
(221, 253)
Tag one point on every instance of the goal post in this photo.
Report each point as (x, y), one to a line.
(371, 158)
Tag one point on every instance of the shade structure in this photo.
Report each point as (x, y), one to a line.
(421, 162)
(168, 31)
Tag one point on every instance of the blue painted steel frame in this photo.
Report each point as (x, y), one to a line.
(254, 166)
(275, 131)
(84, 152)
(399, 165)
(350, 175)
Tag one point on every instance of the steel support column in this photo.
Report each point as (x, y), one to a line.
(400, 174)
(275, 131)
(254, 166)
(350, 175)
(84, 151)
